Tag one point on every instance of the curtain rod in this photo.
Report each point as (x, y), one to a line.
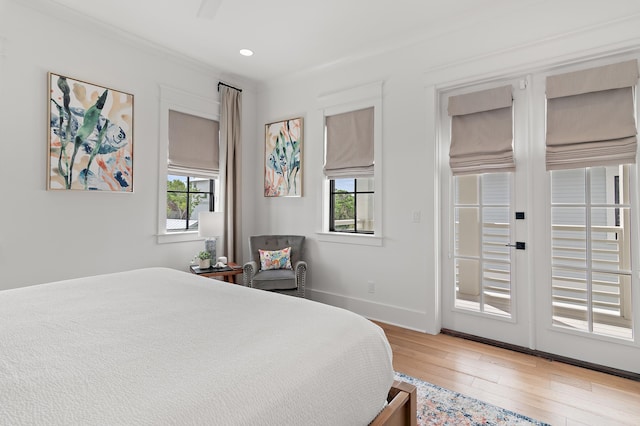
(228, 85)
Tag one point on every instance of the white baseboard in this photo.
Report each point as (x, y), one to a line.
(389, 314)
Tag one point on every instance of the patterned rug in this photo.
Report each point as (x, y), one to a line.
(439, 406)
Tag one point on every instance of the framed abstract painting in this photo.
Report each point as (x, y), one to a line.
(90, 143)
(283, 158)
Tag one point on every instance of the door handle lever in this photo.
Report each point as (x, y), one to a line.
(519, 245)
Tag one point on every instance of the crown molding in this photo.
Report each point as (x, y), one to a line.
(537, 64)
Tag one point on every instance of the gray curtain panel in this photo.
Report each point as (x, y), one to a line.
(481, 132)
(350, 144)
(230, 170)
(193, 143)
(591, 117)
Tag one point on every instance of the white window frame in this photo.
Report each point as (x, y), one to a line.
(188, 103)
(353, 99)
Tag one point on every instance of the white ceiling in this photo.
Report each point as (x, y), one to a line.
(287, 36)
(290, 36)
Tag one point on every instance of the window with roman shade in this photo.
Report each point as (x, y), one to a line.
(481, 132)
(349, 144)
(591, 117)
(193, 144)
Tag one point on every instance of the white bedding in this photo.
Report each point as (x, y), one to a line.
(158, 346)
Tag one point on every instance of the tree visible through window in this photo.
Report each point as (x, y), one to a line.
(351, 205)
(186, 197)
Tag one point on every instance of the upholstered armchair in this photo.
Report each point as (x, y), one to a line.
(286, 281)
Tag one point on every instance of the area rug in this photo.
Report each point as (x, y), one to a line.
(439, 406)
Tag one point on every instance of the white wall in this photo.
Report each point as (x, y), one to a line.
(76, 233)
(405, 268)
(52, 235)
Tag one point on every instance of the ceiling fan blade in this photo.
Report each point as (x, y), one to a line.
(209, 8)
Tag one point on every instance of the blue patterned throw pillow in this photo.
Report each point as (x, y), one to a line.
(276, 259)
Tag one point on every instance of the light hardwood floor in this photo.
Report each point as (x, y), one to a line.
(549, 391)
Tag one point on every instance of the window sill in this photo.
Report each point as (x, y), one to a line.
(178, 237)
(347, 238)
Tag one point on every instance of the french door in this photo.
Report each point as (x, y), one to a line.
(585, 265)
(541, 259)
(486, 243)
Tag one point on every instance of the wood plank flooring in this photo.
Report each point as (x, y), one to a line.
(549, 391)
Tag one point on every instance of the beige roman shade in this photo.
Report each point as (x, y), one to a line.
(193, 144)
(481, 132)
(349, 150)
(591, 117)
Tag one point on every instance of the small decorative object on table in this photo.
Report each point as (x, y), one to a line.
(210, 225)
(204, 260)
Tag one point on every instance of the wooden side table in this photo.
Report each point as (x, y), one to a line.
(227, 274)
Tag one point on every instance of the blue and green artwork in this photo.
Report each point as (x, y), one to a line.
(282, 171)
(90, 137)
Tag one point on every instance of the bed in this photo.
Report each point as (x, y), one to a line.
(160, 346)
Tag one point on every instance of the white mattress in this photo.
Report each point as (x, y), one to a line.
(159, 347)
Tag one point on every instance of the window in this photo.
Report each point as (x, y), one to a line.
(352, 199)
(483, 232)
(591, 250)
(351, 205)
(186, 197)
(188, 173)
(349, 166)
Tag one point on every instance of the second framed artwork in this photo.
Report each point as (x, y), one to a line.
(283, 158)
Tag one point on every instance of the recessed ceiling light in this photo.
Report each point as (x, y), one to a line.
(246, 52)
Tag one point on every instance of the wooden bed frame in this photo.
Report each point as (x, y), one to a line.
(401, 406)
